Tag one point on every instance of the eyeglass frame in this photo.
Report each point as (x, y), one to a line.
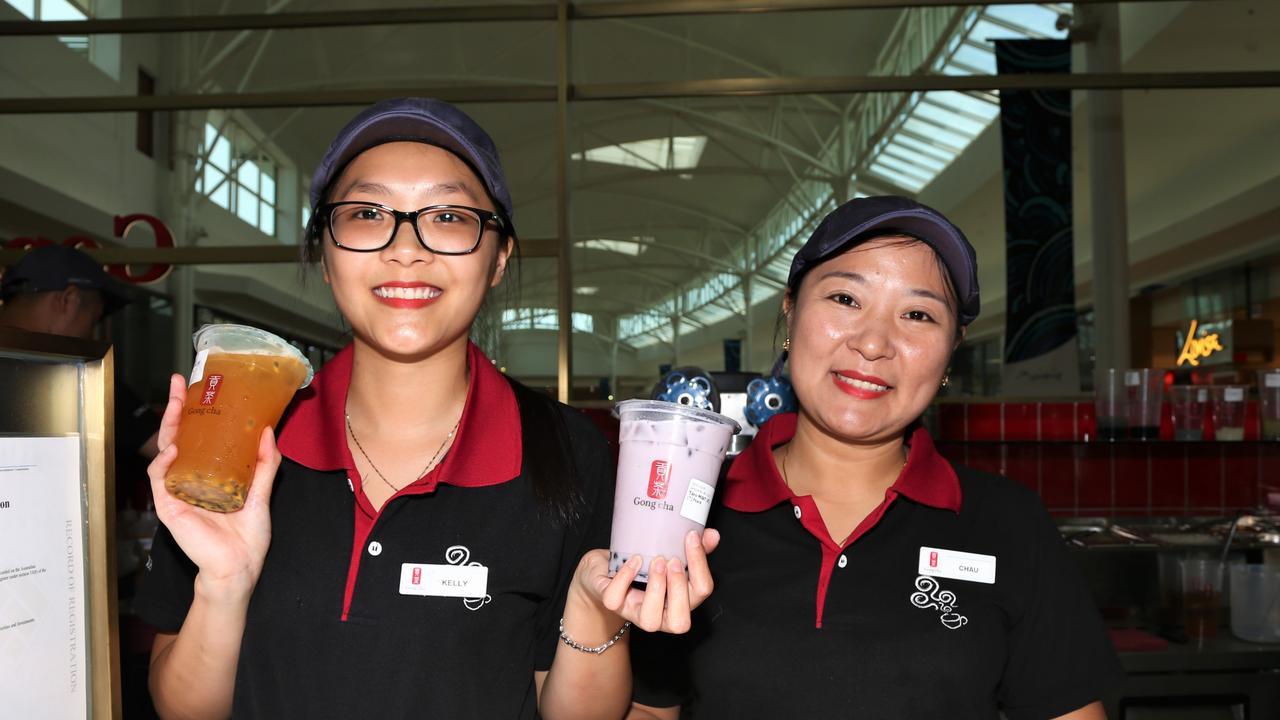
(325, 211)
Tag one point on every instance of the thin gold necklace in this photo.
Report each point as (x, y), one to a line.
(430, 463)
(786, 453)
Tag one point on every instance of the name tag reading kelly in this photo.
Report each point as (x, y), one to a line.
(461, 581)
(957, 565)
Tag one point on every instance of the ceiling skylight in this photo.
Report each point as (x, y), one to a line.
(632, 247)
(667, 153)
(937, 126)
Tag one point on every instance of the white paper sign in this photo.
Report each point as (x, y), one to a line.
(43, 671)
(1233, 394)
(957, 565)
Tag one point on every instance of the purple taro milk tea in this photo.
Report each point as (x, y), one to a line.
(668, 462)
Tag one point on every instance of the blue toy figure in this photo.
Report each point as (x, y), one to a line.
(767, 397)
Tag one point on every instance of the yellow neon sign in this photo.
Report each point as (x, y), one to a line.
(1196, 349)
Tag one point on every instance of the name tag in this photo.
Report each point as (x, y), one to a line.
(461, 581)
(957, 565)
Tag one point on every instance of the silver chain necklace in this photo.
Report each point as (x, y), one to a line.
(430, 463)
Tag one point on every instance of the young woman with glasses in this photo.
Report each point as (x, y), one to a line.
(423, 541)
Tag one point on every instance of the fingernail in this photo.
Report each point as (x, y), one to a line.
(693, 536)
(676, 565)
(634, 561)
(657, 566)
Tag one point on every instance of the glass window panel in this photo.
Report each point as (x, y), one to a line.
(942, 135)
(897, 178)
(955, 121)
(1036, 18)
(60, 10)
(268, 191)
(929, 164)
(981, 60)
(268, 223)
(248, 175)
(26, 7)
(965, 102)
(212, 178)
(222, 195)
(220, 157)
(247, 206)
(986, 31)
(921, 175)
(923, 148)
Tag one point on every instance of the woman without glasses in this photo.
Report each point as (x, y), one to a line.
(860, 573)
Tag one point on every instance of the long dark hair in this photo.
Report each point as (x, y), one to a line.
(548, 460)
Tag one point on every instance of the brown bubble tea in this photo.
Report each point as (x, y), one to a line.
(222, 422)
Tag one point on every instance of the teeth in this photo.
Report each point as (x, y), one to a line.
(405, 293)
(862, 384)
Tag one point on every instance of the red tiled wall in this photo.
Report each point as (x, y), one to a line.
(1051, 448)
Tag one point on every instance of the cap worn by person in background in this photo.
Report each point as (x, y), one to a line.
(60, 291)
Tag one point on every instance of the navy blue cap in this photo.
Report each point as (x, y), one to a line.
(425, 120)
(865, 218)
(54, 267)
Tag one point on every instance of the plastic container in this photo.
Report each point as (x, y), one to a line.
(1255, 602)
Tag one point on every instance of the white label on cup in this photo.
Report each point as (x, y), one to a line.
(1272, 379)
(1202, 396)
(697, 501)
(1131, 378)
(197, 368)
(1233, 394)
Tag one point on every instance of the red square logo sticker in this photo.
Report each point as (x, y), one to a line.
(212, 385)
(659, 476)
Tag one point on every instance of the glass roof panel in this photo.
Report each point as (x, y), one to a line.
(667, 153)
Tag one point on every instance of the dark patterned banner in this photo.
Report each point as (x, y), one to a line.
(1040, 316)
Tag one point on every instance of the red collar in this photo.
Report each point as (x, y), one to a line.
(754, 484)
(487, 450)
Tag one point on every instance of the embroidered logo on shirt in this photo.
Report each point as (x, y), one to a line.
(460, 555)
(929, 594)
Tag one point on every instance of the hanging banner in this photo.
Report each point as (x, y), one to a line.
(1040, 349)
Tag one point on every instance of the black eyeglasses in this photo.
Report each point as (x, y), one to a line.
(442, 229)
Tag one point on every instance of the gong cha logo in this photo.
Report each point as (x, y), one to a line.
(122, 225)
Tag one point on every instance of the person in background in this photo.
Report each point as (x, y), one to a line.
(861, 574)
(59, 290)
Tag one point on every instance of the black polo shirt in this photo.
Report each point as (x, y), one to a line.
(953, 598)
(341, 626)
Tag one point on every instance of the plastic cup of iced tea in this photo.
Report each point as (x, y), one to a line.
(669, 458)
(241, 381)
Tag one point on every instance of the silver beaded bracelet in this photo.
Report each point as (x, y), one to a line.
(564, 637)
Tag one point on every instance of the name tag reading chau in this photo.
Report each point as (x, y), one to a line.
(461, 581)
(957, 565)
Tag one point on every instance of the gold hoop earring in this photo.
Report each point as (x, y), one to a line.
(786, 345)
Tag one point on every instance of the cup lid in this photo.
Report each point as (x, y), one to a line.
(232, 338)
(670, 408)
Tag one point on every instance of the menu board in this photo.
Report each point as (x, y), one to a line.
(43, 638)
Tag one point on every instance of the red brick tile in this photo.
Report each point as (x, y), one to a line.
(1022, 464)
(987, 457)
(984, 421)
(1058, 421)
(1021, 421)
(951, 421)
(1168, 476)
(1204, 477)
(1058, 476)
(1086, 421)
(1132, 481)
(1252, 431)
(1093, 477)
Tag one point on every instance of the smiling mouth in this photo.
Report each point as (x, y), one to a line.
(407, 293)
(861, 384)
